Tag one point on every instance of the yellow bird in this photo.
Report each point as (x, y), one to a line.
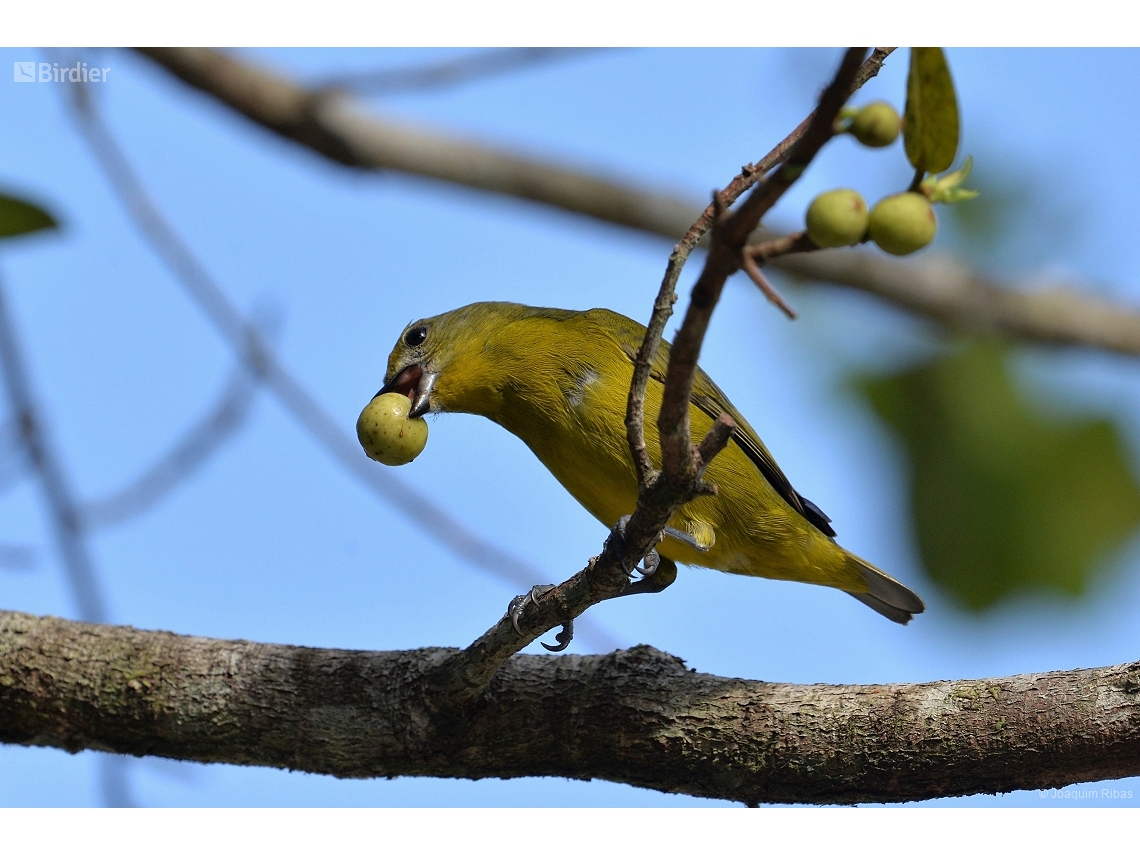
(559, 380)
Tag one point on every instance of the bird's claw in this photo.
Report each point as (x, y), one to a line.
(563, 638)
(515, 610)
(664, 575)
(648, 565)
(657, 573)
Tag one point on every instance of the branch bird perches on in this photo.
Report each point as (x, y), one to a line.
(636, 716)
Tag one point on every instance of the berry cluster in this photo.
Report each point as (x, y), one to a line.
(899, 224)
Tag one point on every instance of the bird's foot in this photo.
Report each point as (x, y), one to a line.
(657, 573)
(518, 604)
(664, 575)
(563, 638)
(515, 609)
(648, 565)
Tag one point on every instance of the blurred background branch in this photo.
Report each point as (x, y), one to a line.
(63, 511)
(14, 556)
(477, 65)
(182, 461)
(62, 507)
(251, 346)
(947, 292)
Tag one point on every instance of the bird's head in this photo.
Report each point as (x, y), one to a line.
(453, 362)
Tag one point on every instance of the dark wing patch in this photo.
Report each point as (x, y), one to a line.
(817, 517)
(743, 438)
(768, 468)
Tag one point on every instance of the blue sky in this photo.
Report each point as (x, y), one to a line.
(273, 542)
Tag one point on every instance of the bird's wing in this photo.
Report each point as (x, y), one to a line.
(710, 400)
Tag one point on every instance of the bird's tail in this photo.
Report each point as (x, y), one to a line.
(889, 597)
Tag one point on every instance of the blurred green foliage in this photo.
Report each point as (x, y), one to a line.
(1018, 221)
(983, 225)
(1004, 498)
(18, 217)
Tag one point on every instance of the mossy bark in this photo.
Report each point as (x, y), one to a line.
(636, 716)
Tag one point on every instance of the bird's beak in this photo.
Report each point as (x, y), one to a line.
(417, 384)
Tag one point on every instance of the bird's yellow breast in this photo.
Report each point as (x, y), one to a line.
(567, 400)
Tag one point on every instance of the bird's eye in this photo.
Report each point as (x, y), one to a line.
(415, 336)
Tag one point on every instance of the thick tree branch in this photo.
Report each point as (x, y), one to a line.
(636, 716)
(947, 293)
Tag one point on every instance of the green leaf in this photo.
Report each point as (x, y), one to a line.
(18, 217)
(1004, 498)
(930, 123)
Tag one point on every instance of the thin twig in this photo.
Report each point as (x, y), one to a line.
(754, 273)
(751, 173)
(730, 233)
(715, 441)
(666, 294)
(761, 253)
(818, 132)
(769, 250)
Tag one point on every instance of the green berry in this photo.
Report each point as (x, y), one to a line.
(387, 434)
(837, 218)
(903, 223)
(876, 125)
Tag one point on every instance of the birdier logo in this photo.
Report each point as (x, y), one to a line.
(51, 72)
